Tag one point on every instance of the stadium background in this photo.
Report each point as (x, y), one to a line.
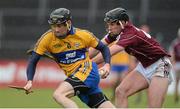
(23, 21)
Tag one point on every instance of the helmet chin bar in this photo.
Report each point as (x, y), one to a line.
(68, 26)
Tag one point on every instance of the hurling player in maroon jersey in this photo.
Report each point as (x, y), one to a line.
(175, 52)
(153, 71)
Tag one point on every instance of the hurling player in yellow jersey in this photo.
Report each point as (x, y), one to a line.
(69, 46)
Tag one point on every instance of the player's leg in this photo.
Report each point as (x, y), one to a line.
(159, 83)
(97, 99)
(120, 77)
(114, 80)
(119, 72)
(176, 95)
(63, 93)
(157, 91)
(106, 104)
(131, 84)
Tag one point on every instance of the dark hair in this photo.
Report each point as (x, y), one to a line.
(125, 17)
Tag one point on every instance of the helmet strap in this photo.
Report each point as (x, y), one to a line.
(68, 26)
(122, 26)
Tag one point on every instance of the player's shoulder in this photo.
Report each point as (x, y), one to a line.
(84, 32)
(127, 35)
(134, 32)
(47, 35)
(129, 31)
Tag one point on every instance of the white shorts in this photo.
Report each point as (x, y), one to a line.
(161, 68)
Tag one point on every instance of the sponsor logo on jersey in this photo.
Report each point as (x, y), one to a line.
(71, 55)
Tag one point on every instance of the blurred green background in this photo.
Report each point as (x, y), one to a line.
(42, 98)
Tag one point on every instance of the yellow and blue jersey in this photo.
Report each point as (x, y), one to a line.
(121, 58)
(71, 52)
(119, 61)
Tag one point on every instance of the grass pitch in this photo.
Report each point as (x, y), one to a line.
(42, 98)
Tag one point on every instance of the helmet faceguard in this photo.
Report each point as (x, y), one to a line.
(56, 20)
(59, 16)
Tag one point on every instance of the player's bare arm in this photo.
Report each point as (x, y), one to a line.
(113, 50)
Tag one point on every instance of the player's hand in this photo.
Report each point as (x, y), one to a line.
(104, 71)
(28, 86)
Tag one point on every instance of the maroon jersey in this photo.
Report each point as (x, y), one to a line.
(140, 44)
(176, 49)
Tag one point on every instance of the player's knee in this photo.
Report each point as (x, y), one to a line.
(120, 92)
(57, 96)
(153, 104)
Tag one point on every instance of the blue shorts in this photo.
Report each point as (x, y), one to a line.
(119, 68)
(88, 91)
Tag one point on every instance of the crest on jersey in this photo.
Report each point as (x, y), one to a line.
(57, 45)
(68, 45)
(77, 45)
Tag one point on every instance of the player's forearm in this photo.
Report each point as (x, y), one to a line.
(105, 54)
(93, 52)
(98, 59)
(30, 71)
(32, 65)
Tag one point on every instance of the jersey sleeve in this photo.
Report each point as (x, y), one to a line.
(91, 40)
(126, 41)
(42, 45)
